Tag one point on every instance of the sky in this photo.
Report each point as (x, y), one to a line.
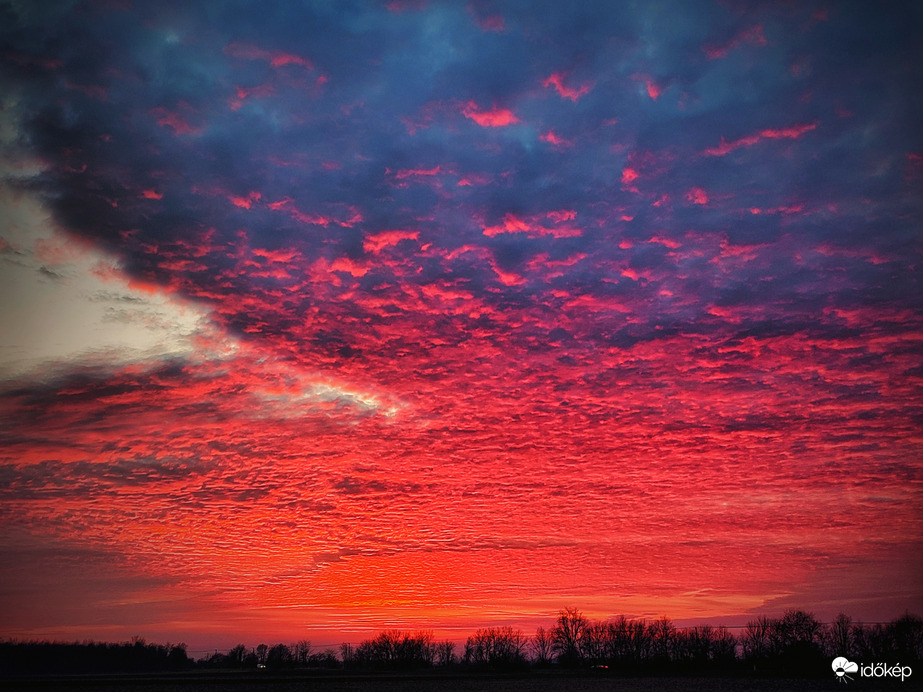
(324, 318)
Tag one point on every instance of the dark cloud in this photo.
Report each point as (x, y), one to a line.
(495, 256)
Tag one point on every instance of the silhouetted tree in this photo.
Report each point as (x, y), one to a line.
(497, 647)
(640, 641)
(906, 635)
(347, 654)
(394, 649)
(662, 635)
(839, 638)
(757, 641)
(279, 656)
(324, 659)
(444, 653)
(796, 642)
(568, 636)
(542, 646)
(301, 650)
(594, 645)
(235, 657)
(618, 644)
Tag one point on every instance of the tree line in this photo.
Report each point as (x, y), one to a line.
(795, 643)
(135, 656)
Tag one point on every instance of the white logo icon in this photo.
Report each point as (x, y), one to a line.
(842, 666)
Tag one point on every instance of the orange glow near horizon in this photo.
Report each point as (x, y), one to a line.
(333, 318)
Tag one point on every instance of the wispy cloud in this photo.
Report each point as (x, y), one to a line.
(316, 312)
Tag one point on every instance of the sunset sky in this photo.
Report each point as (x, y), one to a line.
(323, 318)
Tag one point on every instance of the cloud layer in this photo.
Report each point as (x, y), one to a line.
(455, 314)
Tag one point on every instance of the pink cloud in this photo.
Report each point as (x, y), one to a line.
(788, 209)
(176, 120)
(243, 93)
(490, 22)
(401, 6)
(555, 140)
(277, 256)
(379, 241)
(697, 195)
(556, 80)
(245, 202)
(495, 117)
(413, 172)
(752, 36)
(533, 228)
(793, 132)
(249, 51)
(345, 264)
(562, 215)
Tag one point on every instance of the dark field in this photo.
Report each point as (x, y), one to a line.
(240, 682)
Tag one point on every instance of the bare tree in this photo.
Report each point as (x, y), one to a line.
(662, 634)
(347, 655)
(496, 646)
(237, 655)
(301, 650)
(568, 634)
(396, 649)
(279, 656)
(906, 633)
(839, 638)
(618, 645)
(593, 647)
(757, 640)
(796, 629)
(445, 653)
(542, 646)
(640, 641)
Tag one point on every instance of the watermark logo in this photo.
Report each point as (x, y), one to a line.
(842, 667)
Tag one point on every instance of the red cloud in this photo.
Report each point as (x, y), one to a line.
(562, 215)
(507, 278)
(790, 209)
(793, 132)
(697, 196)
(532, 228)
(93, 91)
(753, 36)
(411, 172)
(280, 59)
(172, 119)
(344, 264)
(245, 202)
(351, 217)
(279, 256)
(554, 140)
(491, 22)
(248, 51)
(378, 242)
(511, 224)
(556, 80)
(401, 6)
(242, 93)
(496, 117)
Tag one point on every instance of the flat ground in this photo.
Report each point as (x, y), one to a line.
(241, 682)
